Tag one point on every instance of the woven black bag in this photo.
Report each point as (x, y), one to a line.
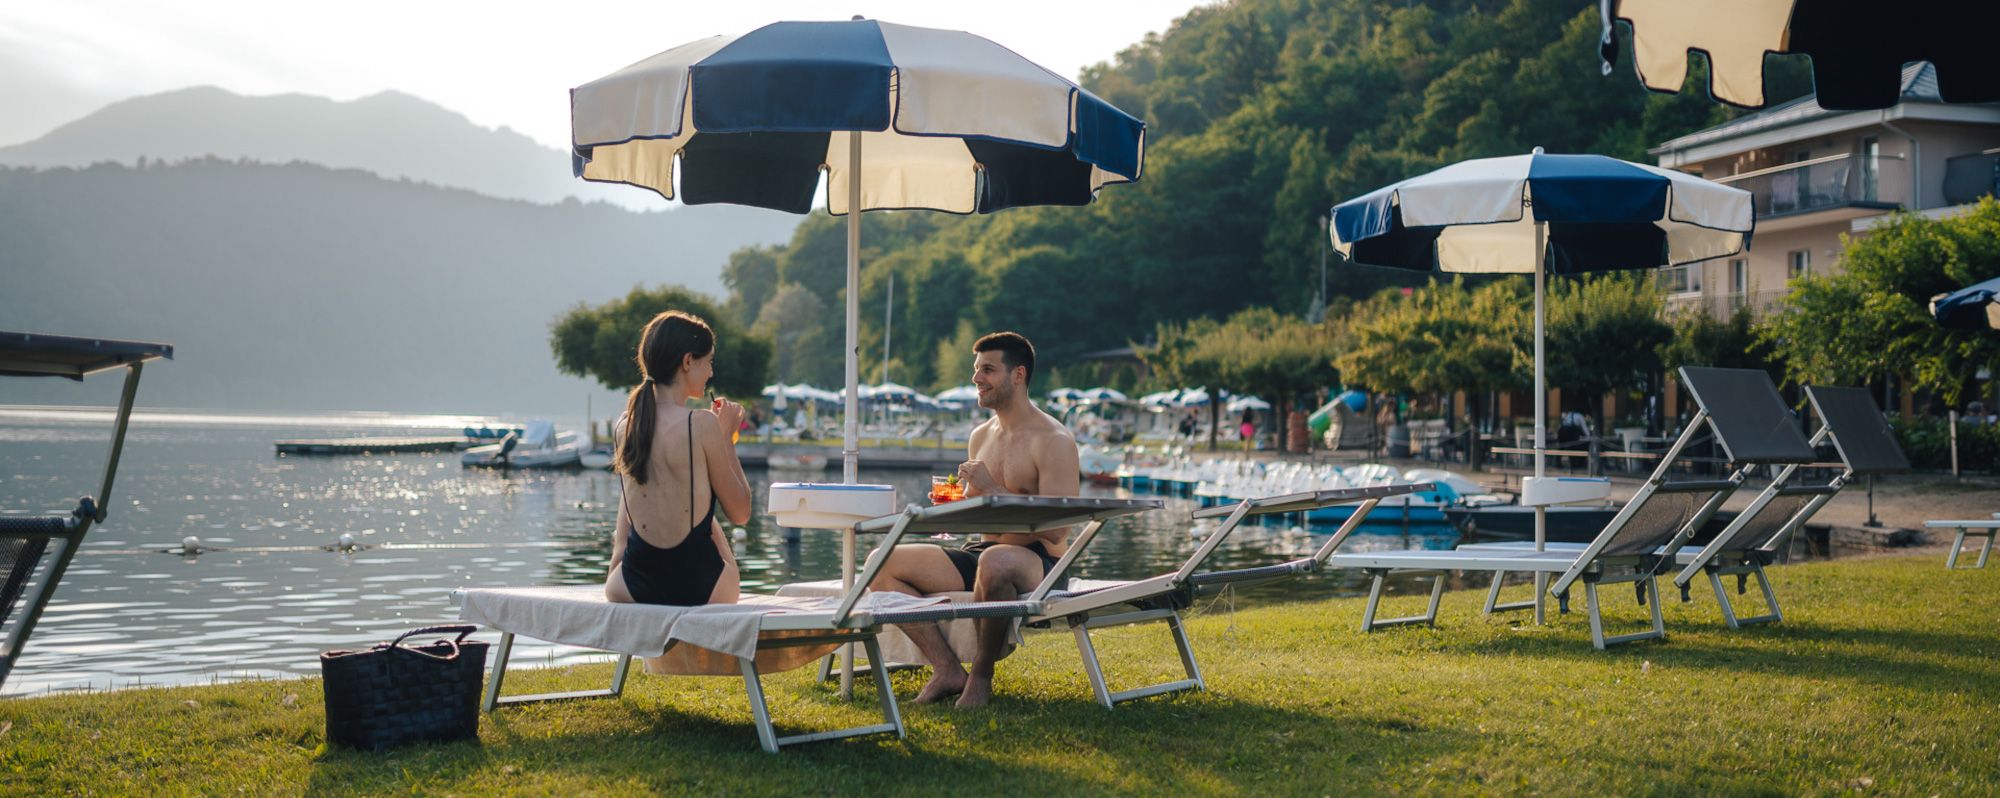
(393, 694)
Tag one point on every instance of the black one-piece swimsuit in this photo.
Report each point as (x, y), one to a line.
(684, 575)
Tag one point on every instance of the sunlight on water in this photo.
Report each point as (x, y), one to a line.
(276, 593)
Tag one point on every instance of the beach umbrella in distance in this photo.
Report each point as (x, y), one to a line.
(962, 393)
(1063, 395)
(1160, 399)
(1192, 397)
(894, 117)
(1542, 214)
(1858, 50)
(1242, 403)
(1974, 307)
(1104, 395)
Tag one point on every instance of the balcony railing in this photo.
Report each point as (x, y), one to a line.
(1724, 304)
(1830, 182)
(1969, 177)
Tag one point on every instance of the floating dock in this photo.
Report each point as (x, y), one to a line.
(371, 445)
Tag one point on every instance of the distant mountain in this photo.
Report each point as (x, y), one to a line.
(391, 134)
(302, 287)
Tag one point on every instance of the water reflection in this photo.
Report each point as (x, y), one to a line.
(277, 594)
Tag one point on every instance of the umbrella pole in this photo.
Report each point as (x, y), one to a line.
(850, 454)
(1541, 420)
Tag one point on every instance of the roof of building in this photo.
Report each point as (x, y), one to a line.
(1919, 85)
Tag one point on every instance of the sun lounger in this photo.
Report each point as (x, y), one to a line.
(764, 633)
(1748, 419)
(1760, 534)
(1981, 528)
(1095, 604)
(36, 550)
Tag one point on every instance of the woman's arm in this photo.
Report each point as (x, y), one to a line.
(725, 470)
(620, 530)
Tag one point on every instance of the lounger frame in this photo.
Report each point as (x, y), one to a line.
(846, 625)
(1967, 529)
(66, 533)
(1161, 599)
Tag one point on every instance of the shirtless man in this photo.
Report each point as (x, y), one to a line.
(1020, 450)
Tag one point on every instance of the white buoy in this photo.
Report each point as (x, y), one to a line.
(346, 541)
(1298, 531)
(190, 545)
(739, 533)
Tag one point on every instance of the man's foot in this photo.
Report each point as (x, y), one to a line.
(944, 684)
(976, 691)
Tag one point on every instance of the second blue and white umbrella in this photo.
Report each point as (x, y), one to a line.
(1541, 213)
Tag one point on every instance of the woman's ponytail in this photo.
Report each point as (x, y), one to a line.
(636, 440)
(670, 338)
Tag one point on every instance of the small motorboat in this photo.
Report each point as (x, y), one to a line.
(537, 446)
(599, 458)
(1098, 466)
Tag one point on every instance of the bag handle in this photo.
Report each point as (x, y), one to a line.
(461, 629)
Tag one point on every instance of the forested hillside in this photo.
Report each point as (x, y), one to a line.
(306, 288)
(1262, 114)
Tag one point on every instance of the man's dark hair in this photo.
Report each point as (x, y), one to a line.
(1014, 349)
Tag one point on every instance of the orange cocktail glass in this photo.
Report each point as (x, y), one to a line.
(946, 488)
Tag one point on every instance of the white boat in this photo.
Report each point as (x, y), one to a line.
(538, 446)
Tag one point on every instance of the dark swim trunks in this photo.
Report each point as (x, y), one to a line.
(966, 559)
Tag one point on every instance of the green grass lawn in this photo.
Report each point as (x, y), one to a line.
(1884, 678)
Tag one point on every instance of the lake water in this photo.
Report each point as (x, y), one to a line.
(275, 595)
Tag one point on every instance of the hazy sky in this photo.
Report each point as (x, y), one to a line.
(497, 62)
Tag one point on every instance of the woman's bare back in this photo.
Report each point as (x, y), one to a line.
(665, 509)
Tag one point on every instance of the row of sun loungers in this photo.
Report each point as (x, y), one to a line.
(1648, 538)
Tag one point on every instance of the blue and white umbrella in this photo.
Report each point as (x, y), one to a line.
(947, 121)
(1974, 307)
(1104, 395)
(960, 394)
(1542, 213)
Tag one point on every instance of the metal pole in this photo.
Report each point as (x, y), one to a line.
(1323, 233)
(850, 451)
(888, 321)
(850, 455)
(1541, 418)
(1951, 418)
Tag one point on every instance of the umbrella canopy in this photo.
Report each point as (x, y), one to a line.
(1191, 397)
(948, 121)
(1596, 214)
(1974, 307)
(1063, 395)
(1858, 47)
(1161, 399)
(889, 391)
(1104, 395)
(962, 393)
(1242, 403)
(1541, 213)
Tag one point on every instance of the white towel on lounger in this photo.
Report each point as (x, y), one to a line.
(579, 615)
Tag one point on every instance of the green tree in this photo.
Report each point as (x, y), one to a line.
(1873, 317)
(791, 313)
(752, 277)
(1440, 338)
(1604, 335)
(1701, 339)
(602, 341)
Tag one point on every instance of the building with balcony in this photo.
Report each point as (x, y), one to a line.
(1817, 174)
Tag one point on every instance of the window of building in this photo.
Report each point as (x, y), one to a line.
(1739, 276)
(1800, 262)
(1681, 279)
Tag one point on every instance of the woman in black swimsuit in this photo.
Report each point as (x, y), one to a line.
(675, 464)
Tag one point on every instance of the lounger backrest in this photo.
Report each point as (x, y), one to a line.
(1653, 524)
(1861, 435)
(1758, 531)
(1750, 420)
